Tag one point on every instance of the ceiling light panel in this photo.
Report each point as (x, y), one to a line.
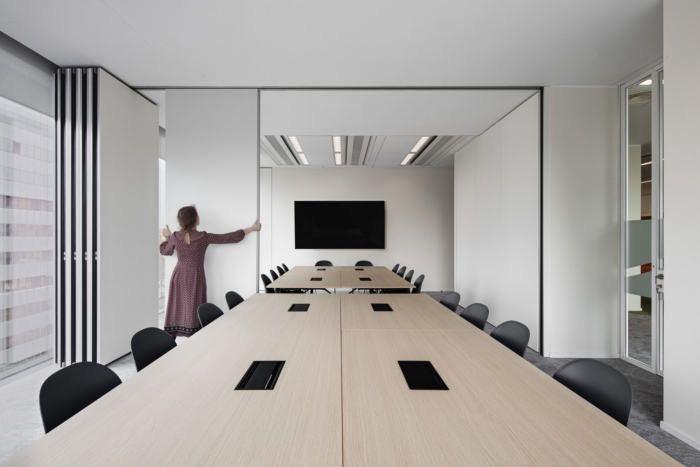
(409, 157)
(338, 158)
(421, 142)
(302, 157)
(337, 147)
(295, 144)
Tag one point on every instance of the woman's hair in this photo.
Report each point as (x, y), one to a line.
(187, 217)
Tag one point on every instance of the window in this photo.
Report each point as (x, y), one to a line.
(27, 167)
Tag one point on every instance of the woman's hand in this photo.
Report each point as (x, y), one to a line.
(253, 228)
(165, 232)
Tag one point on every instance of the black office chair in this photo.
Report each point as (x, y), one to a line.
(451, 300)
(148, 345)
(71, 389)
(401, 271)
(274, 275)
(418, 284)
(233, 299)
(280, 271)
(409, 275)
(600, 384)
(395, 268)
(266, 282)
(324, 262)
(513, 335)
(208, 312)
(286, 269)
(477, 314)
(363, 262)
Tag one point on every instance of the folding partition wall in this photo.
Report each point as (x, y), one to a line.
(106, 215)
(76, 214)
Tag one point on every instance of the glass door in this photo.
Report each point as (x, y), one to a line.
(642, 232)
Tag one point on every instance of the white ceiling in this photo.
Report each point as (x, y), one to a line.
(330, 43)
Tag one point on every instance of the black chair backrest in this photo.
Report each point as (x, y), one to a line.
(512, 334)
(266, 282)
(233, 299)
(274, 275)
(477, 314)
(286, 269)
(600, 384)
(364, 262)
(324, 262)
(401, 271)
(418, 284)
(395, 268)
(148, 345)
(71, 389)
(451, 300)
(208, 312)
(280, 270)
(409, 275)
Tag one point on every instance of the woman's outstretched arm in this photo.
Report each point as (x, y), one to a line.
(233, 237)
(167, 246)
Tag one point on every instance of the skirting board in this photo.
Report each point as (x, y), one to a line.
(581, 355)
(680, 435)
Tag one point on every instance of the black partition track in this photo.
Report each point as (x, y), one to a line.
(76, 214)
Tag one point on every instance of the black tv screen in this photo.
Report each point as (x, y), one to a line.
(339, 224)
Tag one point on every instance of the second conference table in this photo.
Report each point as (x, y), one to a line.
(340, 277)
(340, 397)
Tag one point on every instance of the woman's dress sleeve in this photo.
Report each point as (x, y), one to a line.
(168, 247)
(231, 237)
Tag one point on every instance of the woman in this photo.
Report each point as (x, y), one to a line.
(188, 286)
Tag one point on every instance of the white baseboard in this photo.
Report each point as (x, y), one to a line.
(680, 435)
(581, 355)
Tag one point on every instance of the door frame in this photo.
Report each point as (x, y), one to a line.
(655, 72)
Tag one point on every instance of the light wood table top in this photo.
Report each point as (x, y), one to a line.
(410, 311)
(183, 410)
(340, 277)
(300, 277)
(341, 398)
(499, 409)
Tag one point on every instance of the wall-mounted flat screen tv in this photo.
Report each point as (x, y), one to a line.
(339, 224)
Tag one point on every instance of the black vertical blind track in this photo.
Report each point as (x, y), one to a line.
(62, 251)
(95, 83)
(83, 180)
(73, 107)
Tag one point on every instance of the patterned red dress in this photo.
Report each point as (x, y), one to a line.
(188, 285)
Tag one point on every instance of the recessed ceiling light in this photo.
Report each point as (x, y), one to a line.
(409, 157)
(646, 82)
(336, 144)
(646, 163)
(303, 158)
(295, 144)
(338, 158)
(421, 142)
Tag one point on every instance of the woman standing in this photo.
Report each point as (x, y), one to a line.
(188, 285)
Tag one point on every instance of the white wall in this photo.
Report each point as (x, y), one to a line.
(419, 213)
(496, 191)
(212, 162)
(128, 196)
(581, 222)
(682, 222)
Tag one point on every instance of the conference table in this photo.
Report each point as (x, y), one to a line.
(340, 277)
(341, 397)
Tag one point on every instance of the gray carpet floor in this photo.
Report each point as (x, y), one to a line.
(647, 398)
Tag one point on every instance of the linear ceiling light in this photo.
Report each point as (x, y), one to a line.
(303, 158)
(295, 144)
(421, 142)
(415, 150)
(338, 158)
(646, 82)
(336, 144)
